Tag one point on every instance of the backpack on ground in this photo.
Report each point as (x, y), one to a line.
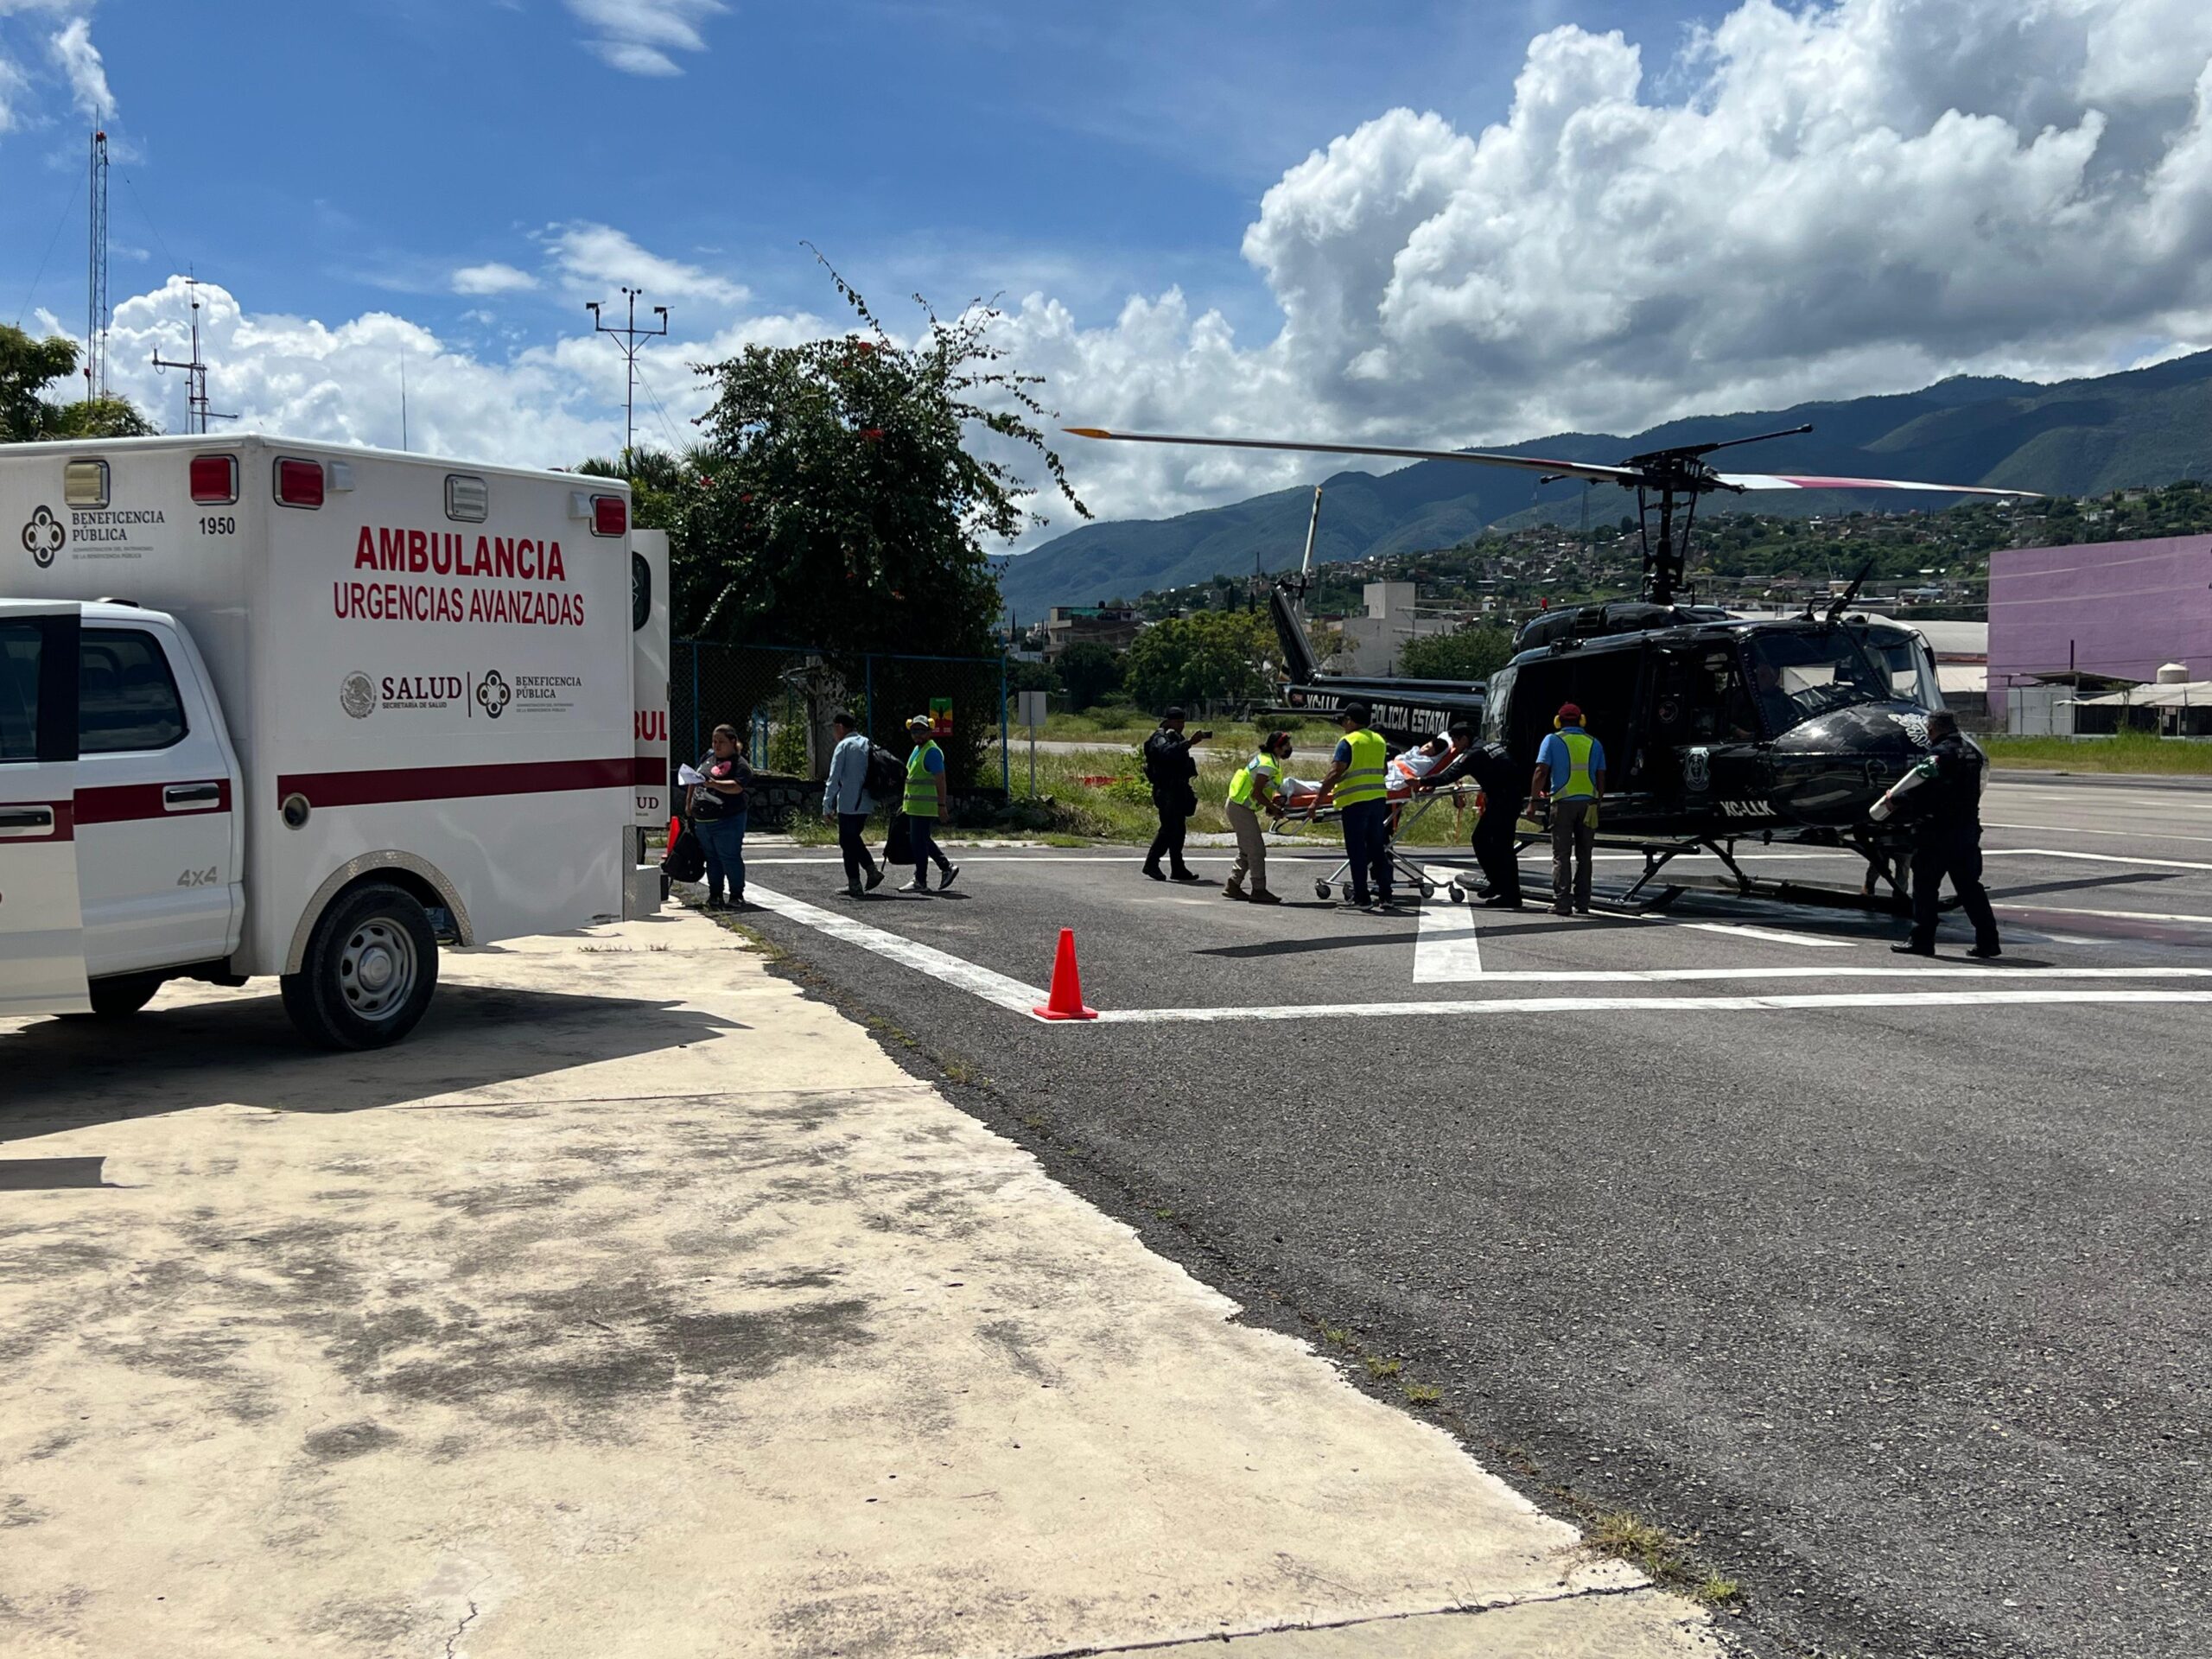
(887, 775)
(687, 859)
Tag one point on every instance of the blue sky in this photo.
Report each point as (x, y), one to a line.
(1434, 221)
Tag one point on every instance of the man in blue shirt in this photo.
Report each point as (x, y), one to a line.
(1571, 776)
(847, 802)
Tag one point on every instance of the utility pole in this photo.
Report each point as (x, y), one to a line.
(197, 414)
(630, 334)
(96, 297)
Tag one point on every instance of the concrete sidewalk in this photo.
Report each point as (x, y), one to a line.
(639, 1306)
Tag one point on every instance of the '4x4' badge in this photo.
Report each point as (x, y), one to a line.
(44, 536)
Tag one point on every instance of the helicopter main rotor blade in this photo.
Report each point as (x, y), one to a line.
(1821, 481)
(1623, 475)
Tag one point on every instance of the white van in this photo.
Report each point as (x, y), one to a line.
(290, 709)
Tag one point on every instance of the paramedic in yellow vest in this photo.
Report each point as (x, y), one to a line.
(925, 807)
(1256, 788)
(1571, 775)
(1362, 780)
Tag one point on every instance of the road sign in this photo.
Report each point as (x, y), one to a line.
(1032, 708)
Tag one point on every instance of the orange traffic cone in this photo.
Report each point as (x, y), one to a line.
(1066, 1000)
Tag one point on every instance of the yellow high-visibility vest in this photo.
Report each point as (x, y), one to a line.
(1579, 786)
(1261, 766)
(1365, 780)
(921, 788)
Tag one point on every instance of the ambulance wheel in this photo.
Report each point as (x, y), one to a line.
(367, 973)
(1320, 889)
(121, 997)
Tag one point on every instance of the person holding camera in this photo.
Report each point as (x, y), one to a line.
(1173, 774)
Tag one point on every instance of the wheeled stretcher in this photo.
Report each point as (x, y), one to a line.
(1409, 803)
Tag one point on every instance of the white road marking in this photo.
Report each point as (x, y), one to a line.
(1655, 975)
(2074, 830)
(2089, 858)
(1642, 1005)
(1446, 950)
(2130, 915)
(993, 987)
(1810, 941)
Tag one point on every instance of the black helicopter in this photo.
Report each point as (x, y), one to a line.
(1719, 728)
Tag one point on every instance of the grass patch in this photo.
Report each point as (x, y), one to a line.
(1662, 1557)
(1379, 1368)
(1423, 1393)
(2127, 752)
(1100, 794)
(1337, 1336)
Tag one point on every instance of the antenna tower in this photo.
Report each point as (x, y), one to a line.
(197, 414)
(630, 335)
(96, 296)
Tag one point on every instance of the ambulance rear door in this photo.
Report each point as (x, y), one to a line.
(649, 741)
(41, 929)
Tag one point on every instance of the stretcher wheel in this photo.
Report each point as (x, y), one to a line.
(1459, 893)
(1320, 889)
(1428, 889)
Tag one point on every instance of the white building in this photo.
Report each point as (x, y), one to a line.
(1372, 643)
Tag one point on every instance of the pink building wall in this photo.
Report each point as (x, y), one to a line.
(2105, 608)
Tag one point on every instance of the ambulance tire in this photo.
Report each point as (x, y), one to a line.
(368, 971)
(121, 997)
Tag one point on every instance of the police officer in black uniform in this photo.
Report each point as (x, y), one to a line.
(1503, 785)
(1940, 796)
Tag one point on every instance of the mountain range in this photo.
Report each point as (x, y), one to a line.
(2074, 438)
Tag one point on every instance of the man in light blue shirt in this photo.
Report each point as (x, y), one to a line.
(1571, 776)
(847, 803)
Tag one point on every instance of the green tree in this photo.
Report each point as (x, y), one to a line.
(1474, 653)
(27, 366)
(1210, 657)
(839, 501)
(1089, 673)
(657, 481)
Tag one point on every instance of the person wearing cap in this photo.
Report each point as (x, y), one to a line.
(1490, 765)
(1173, 774)
(925, 807)
(1358, 771)
(1256, 788)
(1570, 775)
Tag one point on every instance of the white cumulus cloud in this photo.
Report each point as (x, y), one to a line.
(492, 278)
(600, 258)
(80, 61)
(638, 36)
(1826, 201)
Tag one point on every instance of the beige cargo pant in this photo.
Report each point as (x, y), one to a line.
(1251, 849)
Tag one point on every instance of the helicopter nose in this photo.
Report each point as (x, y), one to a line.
(1830, 770)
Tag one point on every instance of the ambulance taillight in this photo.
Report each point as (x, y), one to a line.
(299, 483)
(215, 480)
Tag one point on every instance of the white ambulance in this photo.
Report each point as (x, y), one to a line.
(290, 709)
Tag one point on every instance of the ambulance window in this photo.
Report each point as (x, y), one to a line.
(468, 499)
(19, 642)
(126, 697)
(84, 484)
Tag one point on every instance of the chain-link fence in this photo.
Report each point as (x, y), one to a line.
(782, 698)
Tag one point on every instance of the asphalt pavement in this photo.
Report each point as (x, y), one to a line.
(1884, 1280)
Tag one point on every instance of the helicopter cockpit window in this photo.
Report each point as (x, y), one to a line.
(1911, 667)
(1799, 676)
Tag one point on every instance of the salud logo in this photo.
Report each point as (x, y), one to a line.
(357, 694)
(44, 536)
(492, 695)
